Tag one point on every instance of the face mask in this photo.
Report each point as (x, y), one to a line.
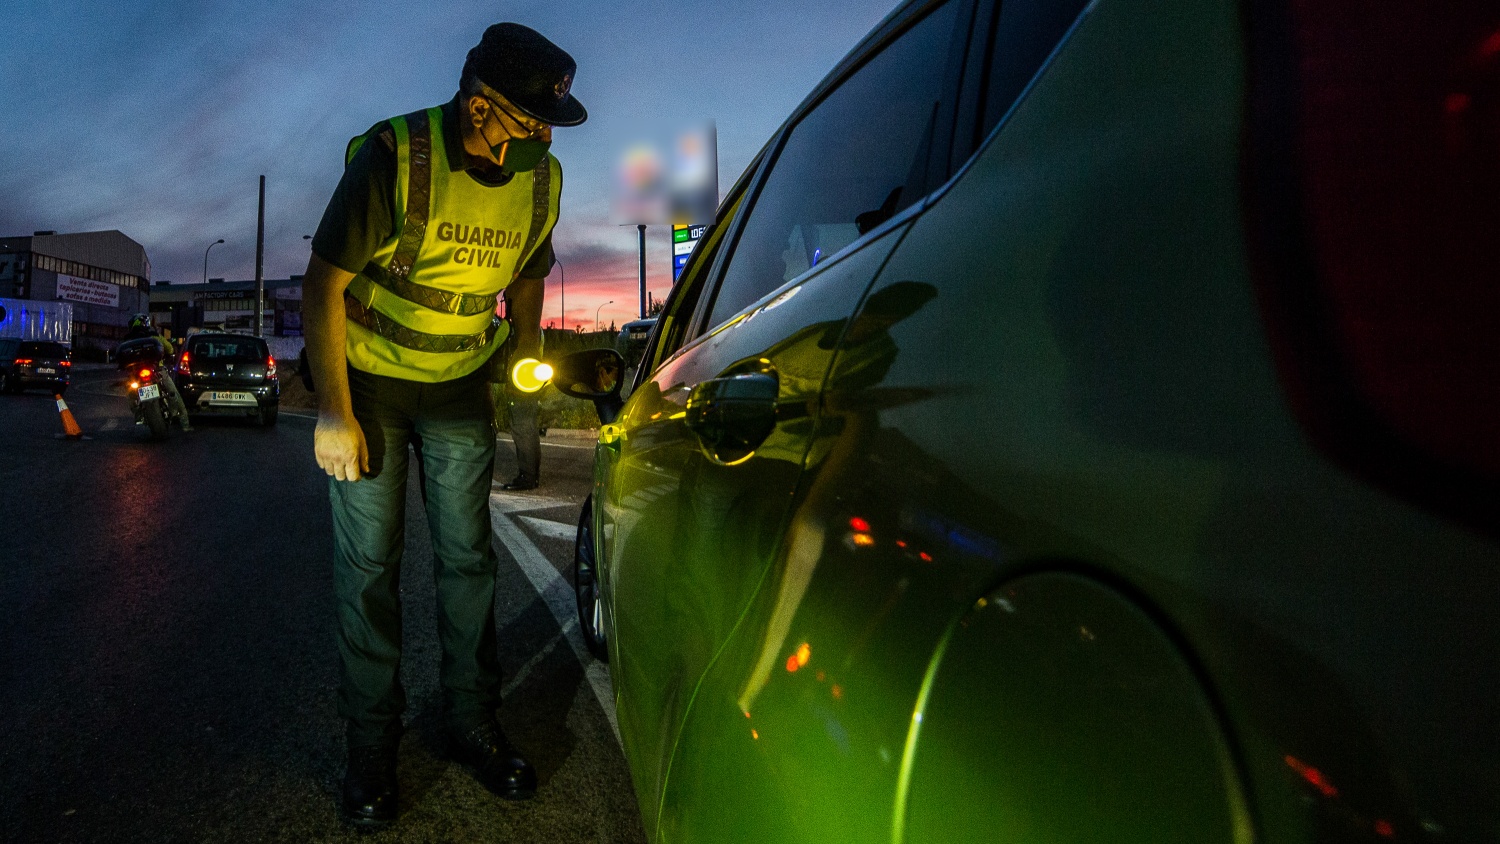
(520, 155)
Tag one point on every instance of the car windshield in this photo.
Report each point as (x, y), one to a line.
(227, 350)
(43, 350)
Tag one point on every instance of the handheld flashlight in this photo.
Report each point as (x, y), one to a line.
(530, 375)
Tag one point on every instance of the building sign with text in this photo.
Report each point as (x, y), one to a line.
(89, 291)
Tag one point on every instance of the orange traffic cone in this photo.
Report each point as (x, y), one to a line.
(70, 425)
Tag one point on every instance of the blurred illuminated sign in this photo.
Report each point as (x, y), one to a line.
(684, 238)
(668, 182)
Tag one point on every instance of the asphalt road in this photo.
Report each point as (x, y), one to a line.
(168, 666)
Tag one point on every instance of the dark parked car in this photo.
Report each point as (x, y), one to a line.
(35, 363)
(631, 342)
(229, 375)
(1081, 424)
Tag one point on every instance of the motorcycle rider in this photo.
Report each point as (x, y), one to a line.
(141, 326)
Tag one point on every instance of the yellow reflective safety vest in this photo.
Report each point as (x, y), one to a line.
(424, 307)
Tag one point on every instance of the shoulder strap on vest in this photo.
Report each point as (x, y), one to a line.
(541, 206)
(418, 194)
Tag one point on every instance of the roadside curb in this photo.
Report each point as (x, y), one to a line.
(572, 433)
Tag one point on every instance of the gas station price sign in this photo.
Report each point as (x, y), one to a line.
(684, 238)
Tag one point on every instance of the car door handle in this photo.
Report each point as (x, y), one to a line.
(732, 415)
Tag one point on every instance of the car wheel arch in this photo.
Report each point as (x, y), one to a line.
(1102, 676)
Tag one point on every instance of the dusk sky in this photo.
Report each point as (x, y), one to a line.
(157, 118)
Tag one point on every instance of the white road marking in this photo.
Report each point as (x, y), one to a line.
(554, 590)
(588, 446)
(584, 442)
(521, 502)
(551, 529)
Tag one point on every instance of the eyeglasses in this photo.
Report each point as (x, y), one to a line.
(530, 125)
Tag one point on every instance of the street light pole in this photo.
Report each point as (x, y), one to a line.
(205, 258)
(596, 313)
(642, 228)
(260, 250)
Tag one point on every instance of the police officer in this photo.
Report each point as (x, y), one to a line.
(437, 213)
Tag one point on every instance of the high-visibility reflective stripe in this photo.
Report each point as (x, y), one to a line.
(413, 315)
(445, 301)
(399, 334)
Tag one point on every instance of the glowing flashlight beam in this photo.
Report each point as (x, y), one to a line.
(530, 375)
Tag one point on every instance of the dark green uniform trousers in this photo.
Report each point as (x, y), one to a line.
(451, 424)
(525, 433)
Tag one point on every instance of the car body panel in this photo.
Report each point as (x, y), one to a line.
(1095, 700)
(670, 502)
(1061, 560)
(1118, 433)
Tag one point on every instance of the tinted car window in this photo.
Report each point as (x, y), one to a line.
(849, 165)
(43, 350)
(1025, 34)
(229, 350)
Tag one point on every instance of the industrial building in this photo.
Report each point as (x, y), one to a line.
(228, 306)
(105, 276)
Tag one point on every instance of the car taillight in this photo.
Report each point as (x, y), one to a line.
(185, 362)
(1375, 178)
(270, 367)
(22, 361)
(67, 363)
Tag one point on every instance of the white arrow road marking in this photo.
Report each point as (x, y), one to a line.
(555, 592)
(521, 502)
(551, 529)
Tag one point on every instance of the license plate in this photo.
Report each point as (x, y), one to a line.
(149, 391)
(222, 397)
(45, 370)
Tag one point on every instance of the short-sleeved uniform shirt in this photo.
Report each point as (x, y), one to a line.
(360, 216)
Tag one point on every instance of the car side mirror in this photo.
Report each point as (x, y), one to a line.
(594, 375)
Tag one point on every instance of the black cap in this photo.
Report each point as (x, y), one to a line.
(530, 71)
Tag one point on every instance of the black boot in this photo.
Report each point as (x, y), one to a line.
(498, 766)
(369, 799)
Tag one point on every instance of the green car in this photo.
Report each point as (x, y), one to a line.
(1081, 424)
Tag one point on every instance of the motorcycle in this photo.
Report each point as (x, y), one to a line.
(147, 375)
(147, 401)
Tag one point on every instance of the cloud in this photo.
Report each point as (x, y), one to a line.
(156, 117)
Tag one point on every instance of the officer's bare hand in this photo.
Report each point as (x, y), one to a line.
(339, 444)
